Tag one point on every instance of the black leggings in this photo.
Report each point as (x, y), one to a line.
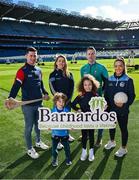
(122, 121)
(85, 134)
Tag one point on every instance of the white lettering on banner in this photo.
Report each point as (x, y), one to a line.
(96, 119)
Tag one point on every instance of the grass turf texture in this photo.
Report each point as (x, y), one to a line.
(15, 164)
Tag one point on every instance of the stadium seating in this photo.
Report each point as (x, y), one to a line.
(16, 35)
(31, 29)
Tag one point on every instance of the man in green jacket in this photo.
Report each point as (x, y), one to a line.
(100, 73)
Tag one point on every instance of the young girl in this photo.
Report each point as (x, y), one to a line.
(119, 82)
(60, 135)
(87, 89)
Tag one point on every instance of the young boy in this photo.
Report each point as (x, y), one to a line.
(59, 135)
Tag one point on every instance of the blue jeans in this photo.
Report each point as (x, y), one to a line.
(31, 116)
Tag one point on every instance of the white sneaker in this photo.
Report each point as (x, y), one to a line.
(83, 155)
(42, 145)
(121, 152)
(68, 163)
(60, 146)
(91, 155)
(71, 139)
(110, 144)
(32, 153)
(55, 163)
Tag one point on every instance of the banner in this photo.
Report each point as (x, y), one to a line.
(96, 119)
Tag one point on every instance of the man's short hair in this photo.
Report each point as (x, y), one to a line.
(32, 49)
(91, 48)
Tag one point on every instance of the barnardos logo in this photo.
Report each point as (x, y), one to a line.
(95, 119)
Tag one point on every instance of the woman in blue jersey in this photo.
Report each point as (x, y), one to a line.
(119, 82)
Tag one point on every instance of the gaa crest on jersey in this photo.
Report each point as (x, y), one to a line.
(122, 84)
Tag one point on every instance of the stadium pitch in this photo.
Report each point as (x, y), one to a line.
(15, 163)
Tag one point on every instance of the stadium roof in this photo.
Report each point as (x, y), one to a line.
(128, 25)
(45, 14)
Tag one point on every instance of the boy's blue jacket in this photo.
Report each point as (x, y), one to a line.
(59, 132)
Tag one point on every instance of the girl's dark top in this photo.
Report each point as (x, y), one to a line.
(82, 101)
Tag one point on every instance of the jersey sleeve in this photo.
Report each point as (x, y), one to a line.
(20, 76)
(17, 83)
(104, 74)
(104, 77)
(74, 103)
(81, 72)
(52, 84)
(131, 92)
(71, 82)
(42, 86)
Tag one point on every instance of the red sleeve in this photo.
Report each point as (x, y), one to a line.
(20, 76)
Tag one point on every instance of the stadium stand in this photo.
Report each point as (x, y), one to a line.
(58, 31)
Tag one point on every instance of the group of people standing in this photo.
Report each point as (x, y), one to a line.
(94, 82)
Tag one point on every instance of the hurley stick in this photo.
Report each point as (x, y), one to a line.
(12, 103)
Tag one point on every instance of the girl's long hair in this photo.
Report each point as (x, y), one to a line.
(95, 85)
(65, 69)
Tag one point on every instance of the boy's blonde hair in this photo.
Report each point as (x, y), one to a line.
(58, 95)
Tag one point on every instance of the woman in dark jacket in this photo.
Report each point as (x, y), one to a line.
(120, 82)
(61, 80)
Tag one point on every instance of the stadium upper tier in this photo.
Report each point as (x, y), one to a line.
(47, 15)
(17, 34)
(22, 29)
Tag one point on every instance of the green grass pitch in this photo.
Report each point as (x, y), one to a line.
(15, 164)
